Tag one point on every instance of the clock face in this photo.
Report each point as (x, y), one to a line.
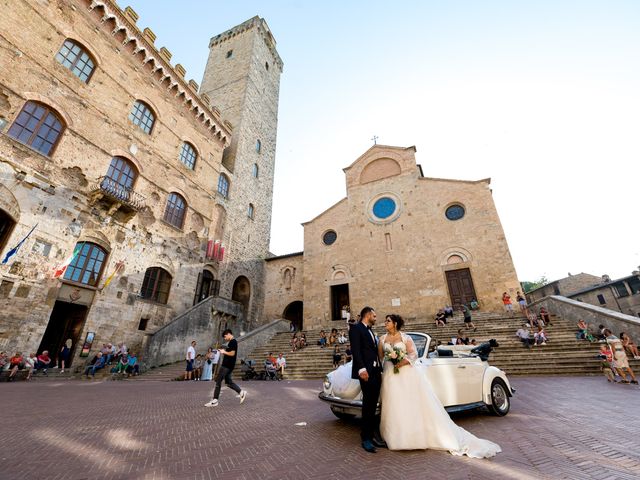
(455, 212)
(329, 237)
(384, 207)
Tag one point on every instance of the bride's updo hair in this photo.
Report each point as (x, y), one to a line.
(397, 320)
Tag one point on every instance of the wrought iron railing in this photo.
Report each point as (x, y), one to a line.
(112, 189)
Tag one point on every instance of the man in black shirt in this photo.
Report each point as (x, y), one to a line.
(229, 355)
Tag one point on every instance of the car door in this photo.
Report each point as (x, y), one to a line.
(468, 373)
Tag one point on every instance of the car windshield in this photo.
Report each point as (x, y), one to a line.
(421, 343)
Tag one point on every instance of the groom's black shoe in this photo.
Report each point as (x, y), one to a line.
(368, 446)
(379, 442)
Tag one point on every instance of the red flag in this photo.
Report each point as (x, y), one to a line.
(216, 250)
(221, 253)
(210, 249)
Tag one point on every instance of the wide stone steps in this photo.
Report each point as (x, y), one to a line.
(563, 354)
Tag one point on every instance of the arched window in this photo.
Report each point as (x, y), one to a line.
(142, 116)
(37, 126)
(120, 178)
(223, 185)
(258, 146)
(156, 285)
(175, 210)
(86, 266)
(250, 211)
(255, 170)
(188, 155)
(76, 58)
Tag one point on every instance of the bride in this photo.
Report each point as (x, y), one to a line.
(412, 415)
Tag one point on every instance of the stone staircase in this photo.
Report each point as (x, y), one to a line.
(563, 354)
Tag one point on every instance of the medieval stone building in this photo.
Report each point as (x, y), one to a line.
(400, 242)
(113, 172)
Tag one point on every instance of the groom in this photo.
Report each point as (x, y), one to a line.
(367, 369)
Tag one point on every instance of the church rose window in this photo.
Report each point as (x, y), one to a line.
(454, 212)
(329, 237)
(384, 207)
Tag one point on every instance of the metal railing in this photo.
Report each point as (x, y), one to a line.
(115, 191)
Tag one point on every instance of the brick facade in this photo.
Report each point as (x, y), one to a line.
(64, 195)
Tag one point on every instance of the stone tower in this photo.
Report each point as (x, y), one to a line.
(242, 78)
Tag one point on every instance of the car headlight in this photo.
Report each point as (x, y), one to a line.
(327, 383)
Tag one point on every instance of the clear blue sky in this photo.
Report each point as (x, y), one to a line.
(540, 96)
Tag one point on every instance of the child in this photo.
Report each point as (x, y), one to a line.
(607, 359)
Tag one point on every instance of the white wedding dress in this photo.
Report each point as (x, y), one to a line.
(413, 417)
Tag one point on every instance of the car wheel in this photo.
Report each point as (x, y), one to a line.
(342, 415)
(500, 401)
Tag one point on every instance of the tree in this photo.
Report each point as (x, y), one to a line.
(529, 286)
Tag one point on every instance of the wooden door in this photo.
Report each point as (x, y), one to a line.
(460, 286)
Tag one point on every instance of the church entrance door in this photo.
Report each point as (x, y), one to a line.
(339, 299)
(460, 286)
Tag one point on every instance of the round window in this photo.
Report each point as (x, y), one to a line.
(329, 237)
(384, 207)
(455, 212)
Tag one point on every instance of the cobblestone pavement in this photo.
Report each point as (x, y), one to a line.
(559, 427)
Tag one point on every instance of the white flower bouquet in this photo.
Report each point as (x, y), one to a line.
(395, 355)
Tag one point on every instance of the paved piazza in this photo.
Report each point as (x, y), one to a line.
(560, 427)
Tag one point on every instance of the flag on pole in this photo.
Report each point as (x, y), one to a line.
(63, 266)
(119, 267)
(15, 249)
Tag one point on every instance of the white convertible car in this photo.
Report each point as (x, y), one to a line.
(462, 380)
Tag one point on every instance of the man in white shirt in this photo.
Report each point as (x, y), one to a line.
(524, 335)
(281, 363)
(191, 355)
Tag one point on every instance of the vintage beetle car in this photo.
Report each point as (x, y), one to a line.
(461, 379)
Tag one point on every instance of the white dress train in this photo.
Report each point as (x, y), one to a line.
(413, 417)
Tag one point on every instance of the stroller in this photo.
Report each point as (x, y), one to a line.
(270, 372)
(248, 370)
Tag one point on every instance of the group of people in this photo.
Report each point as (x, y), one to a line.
(531, 338)
(126, 362)
(613, 353)
(298, 341)
(201, 367)
(508, 305)
(447, 313)
(274, 366)
(33, 363)
(333, 338)
(340, 358)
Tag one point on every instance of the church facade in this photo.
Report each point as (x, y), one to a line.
(400, 242)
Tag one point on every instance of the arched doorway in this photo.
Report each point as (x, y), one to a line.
(293, 313)
(204, 287)
(242, 293)
(6, 227)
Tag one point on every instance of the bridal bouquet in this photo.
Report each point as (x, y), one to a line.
(395, 356)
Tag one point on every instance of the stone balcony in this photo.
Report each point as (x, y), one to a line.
(115, 196)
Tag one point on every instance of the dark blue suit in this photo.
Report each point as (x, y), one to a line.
(365, 355)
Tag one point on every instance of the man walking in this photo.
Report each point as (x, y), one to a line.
(191, 356)
(229, 355)
(367, 368)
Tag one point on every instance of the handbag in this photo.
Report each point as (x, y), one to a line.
(209, 361)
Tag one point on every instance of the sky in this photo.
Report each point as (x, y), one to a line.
(542, 97)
